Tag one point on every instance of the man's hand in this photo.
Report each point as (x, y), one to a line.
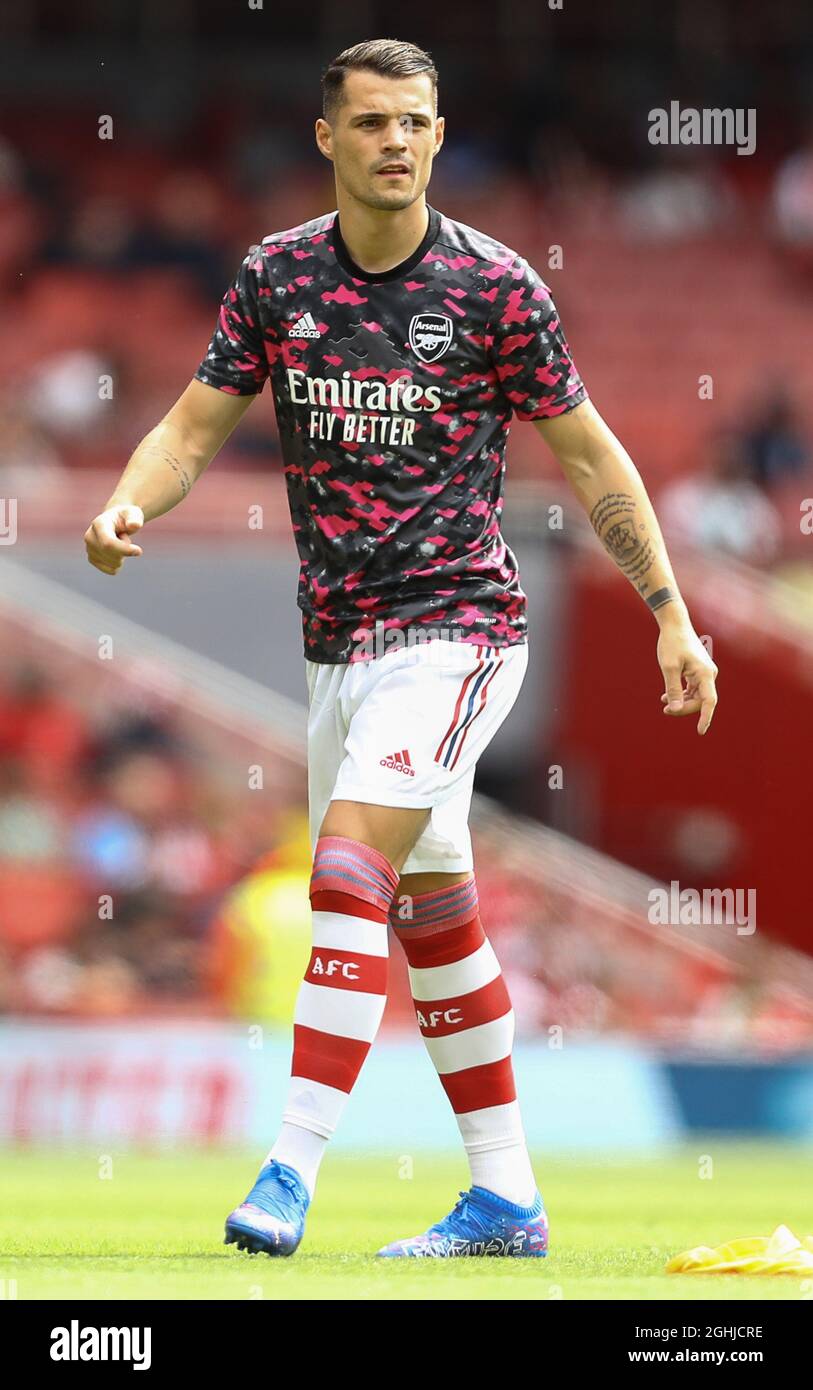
(688, 671)
(162, 469)
(106, 538)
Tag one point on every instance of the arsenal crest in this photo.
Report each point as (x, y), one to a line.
(430, 335)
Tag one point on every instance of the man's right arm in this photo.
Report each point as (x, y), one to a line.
(162, 470)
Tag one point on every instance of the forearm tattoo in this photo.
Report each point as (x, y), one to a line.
(660, 597)
(614, 521)
(175, 464)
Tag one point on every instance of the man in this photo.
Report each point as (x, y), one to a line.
(398, 342)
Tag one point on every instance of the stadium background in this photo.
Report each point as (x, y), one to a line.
(153, 844)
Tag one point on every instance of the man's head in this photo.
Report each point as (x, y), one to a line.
(380, 110)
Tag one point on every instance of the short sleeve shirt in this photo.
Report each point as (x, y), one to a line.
(394, 393)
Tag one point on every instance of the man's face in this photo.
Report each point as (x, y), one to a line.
(382, 122)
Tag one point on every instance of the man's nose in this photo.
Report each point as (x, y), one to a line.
(395, 136)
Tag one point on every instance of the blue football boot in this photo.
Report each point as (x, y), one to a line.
(272, 1218)
(481, 1224)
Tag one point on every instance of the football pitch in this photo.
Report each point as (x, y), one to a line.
(153, 1229)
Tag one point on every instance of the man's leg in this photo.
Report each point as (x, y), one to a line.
(387, 740)
(391, 829)
(359, 852)
(465, 1016)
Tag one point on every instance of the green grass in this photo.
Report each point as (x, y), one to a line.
(154, 1229)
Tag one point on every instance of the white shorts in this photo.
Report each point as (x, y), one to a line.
(407, 729)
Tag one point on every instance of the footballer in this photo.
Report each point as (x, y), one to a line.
(399, 343)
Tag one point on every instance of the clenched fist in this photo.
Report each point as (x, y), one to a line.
(107, 537)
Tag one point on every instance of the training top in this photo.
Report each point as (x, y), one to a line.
(394, 394)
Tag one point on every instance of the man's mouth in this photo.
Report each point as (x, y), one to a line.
(394, 169)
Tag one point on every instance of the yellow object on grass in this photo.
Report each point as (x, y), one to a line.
(780, 1253)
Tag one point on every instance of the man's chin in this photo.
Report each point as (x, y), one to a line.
(392, 200)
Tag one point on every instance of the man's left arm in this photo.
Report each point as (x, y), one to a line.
(609, 487)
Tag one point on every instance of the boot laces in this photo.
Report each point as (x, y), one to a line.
(285, 1178)
(464, 1211)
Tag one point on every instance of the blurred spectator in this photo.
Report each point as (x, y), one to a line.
(680, 197)
(793, 205)
(64, 392)
(40, 728)
(260, 939)
(31, 827)
(18, 216)
(99, 231)
(110, 846)
(723, 510)
(183, 233)
(30, 464)
(181, 230)
(774, 446)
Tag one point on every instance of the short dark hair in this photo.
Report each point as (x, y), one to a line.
(390, 57)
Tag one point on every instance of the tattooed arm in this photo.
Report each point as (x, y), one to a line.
(609, 487)
(162, 470)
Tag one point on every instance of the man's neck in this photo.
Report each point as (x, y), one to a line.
(378, 240)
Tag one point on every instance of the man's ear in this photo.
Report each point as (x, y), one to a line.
(323, 135)
(440, 131)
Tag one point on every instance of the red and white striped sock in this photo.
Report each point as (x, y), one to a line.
(465, 1016)
(342, 998)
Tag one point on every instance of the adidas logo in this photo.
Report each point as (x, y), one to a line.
(305, 328)
(399, 762)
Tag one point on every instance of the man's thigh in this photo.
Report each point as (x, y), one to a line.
(392, 751)
(393, 830)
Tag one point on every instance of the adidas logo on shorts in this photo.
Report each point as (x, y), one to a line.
(305, 328)
(399, 762)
